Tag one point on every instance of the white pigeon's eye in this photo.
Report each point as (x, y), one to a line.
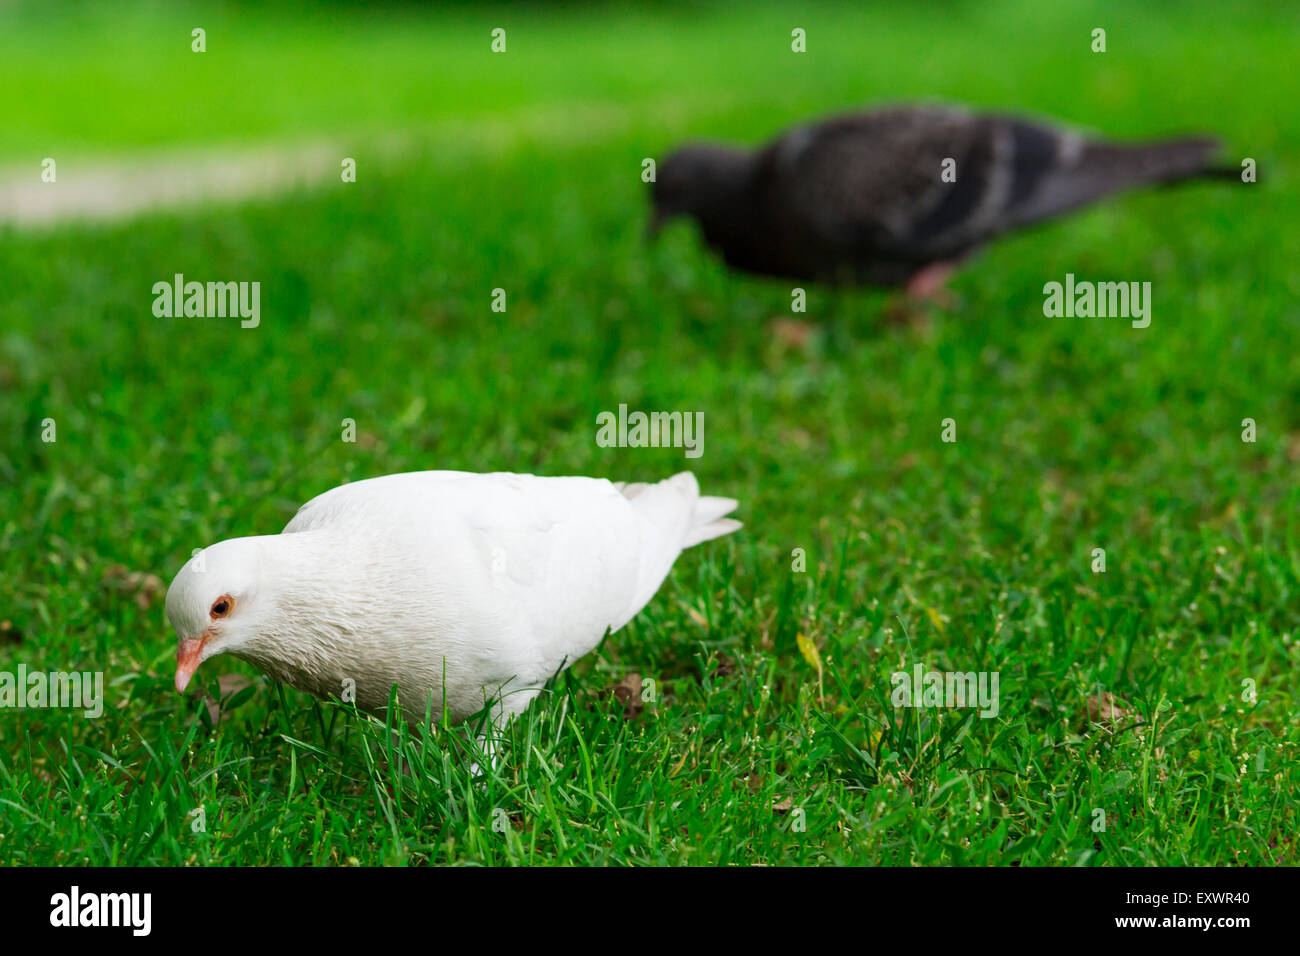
(221, 606)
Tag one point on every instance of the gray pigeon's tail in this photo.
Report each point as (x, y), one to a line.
(1094, 170)
(1164, 161)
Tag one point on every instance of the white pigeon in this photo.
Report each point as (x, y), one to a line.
(461, 589)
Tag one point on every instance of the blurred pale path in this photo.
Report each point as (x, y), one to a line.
(118, 187)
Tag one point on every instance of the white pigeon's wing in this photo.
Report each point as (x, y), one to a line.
(566, 553)
(352, 501)
(524, 574)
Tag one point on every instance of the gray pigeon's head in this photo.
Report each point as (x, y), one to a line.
(701, 181)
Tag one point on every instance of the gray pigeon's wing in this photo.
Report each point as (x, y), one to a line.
(873, 182)
(872, 186)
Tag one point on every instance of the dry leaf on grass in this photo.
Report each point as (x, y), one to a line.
(792, 333)
(724, 666)
(1106, 707)
(230, 685)
(142, 587)
(628, 693)
(808, 648)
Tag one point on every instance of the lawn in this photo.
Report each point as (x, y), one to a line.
(1147, 713)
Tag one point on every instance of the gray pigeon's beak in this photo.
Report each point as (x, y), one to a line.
(657, 220)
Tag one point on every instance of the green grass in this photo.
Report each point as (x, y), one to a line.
(1072, 434)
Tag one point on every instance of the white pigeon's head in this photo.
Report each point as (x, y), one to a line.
(215, 603)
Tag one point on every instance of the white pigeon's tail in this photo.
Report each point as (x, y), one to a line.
(674, 518)
(708, 521)
(663, 502)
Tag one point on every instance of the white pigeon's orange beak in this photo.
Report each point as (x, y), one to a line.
(188, 658)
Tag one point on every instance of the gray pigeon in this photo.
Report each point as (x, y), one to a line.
(900, 194)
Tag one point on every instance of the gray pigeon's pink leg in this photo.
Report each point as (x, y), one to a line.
(924, 288)
(928, 285)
